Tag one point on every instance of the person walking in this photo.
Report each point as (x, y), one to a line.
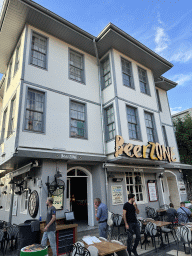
(50, 228)
(131, 224)
(183, 213)
(101, 215)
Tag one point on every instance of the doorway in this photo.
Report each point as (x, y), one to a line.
(80, 194)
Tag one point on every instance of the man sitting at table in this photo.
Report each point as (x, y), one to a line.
(183, 213)
(131, 224)
(171, 214)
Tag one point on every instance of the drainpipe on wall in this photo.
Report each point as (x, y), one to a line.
(101, 110)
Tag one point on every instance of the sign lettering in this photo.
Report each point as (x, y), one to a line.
(157, 151)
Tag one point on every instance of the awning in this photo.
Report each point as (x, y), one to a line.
(21, 170)
(177, 166)
(127, 168)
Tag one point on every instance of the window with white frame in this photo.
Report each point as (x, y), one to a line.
(158, 100)
(3, 125)
(150, 127)
(134, 185)
(9, 74)
(77, 120)
(34, 117)
(110, 123)
(133, 123)
(11, 117)
(144, 87)
(127, 73)
(24, 201)
(76, 66)
(39, 50)
(17, 57)
(105, 72)
(165, 136)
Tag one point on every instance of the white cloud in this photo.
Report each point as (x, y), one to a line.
(181, 79)
(161, 40)
(182, 56)
(175, 110)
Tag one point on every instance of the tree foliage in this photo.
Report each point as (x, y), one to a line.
(183, 132)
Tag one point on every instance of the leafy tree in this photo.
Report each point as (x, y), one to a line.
(183, 132)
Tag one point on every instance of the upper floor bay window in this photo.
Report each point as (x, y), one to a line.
(78, 120)
(109, 123)
(165, 136)
(127, 73)
(133, 123)
(158, 100)
(17, 57)
(34, 116)
(9, 74)
(39, 51)
(150, 126)
(3, 125)
(143, 81)
(134, 185)
(76, 66)
(11, 117)
(105, 72)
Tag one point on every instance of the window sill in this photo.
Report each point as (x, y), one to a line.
(73, 137)
(38, 67)
(110, 140)
(146, 94)
(106, 87)
(76, 81)
(43, 133)
(133, 88)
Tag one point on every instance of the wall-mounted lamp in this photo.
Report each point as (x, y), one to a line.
(160, 176)
(117, 179)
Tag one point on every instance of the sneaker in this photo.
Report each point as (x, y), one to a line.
(135, 252)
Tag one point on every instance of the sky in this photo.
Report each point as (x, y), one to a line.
(165, 26)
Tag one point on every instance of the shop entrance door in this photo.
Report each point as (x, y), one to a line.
(78, 188)
(79, 198)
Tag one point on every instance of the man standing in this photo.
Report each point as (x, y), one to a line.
(50, 228)
(101, 214)
(129, 215)
(183, 213)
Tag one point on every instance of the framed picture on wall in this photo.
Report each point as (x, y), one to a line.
(117, 194)
(152, 190)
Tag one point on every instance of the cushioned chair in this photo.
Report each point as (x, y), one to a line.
(151, 213)
(93, 250)
(79, 250)
(151, 231)
(102, 238)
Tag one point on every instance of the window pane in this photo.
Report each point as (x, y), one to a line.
(76, 66)
(38, 50)
(77, 113)
(110, 123)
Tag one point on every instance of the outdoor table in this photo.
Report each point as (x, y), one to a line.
(106, 247)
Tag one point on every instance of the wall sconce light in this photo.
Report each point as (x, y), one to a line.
(117, 179)
(160, 175)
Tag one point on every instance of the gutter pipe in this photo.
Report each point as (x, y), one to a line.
(102, 115)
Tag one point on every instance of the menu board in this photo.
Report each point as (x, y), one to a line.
(182, 188)
(117, 194)
(152, 190)
(14, 211)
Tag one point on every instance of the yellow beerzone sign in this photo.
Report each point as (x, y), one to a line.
(156, 151)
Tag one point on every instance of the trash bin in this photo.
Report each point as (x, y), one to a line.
(29, 233)
(34, 250)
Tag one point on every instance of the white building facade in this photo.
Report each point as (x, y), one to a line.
(67, 99)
